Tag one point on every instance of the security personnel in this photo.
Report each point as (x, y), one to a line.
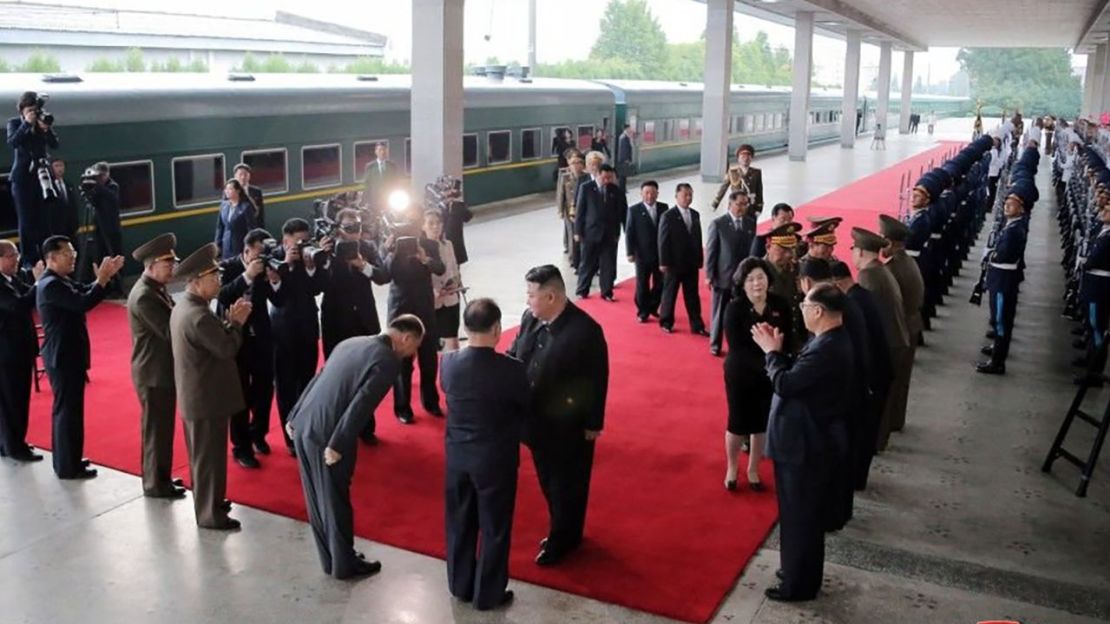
(18, 348)
(1004, 274)
(207, 381)
(570, 178)
(680, 257)
(641, 237)
(148, 312)
(487, 403)
(918, 243)
(248, 275)
(743, 176)
(62, 304)
(912, 288)
(382, 177)
(324, 425)
(1094, 294)
(729, 242)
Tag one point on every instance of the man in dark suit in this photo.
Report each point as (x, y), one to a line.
(641, 238)
(30, 137)
(806, 436)
(295, 320)
(324, 427)
(600, 212)
(18, 348)
(62, 210)
(207, 381)
(456, 214)
(242, 173)
(412, 262)
(381, 178)
(487, 403)
(348, 307)
(680, 257)
(104, 197)
(567, 362)
(62, 304)
(248, 275)
(730, 241)
(626, 161)
(149, 306)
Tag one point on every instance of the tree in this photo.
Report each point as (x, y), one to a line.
(630, 33)
(1035, 81)
(369, 65)
(40, 63)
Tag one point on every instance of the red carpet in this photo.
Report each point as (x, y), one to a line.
(662, 534)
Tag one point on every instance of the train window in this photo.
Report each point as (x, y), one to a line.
(136, 185)
(470, 151)
(269, 169)
(196, 179)
(7, 206)
(499, 147)
(684, 129)
(747, 125)
(321, 165)
(555, 134)
(585, 138)
(530, 143)
(408, 155)
(759, 123)
(364, 155)
(649, 132)
(697, 127)
(778, 121)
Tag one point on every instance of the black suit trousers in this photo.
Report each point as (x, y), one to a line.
(649, 288)
(479, 503)
(15, 402)
(564, 463)
(598, 259)
(688, 280)
(256, 376)
(327, 493)
(427, 358)
(803, 496)
(720, 301)
(68, 418)
(294, 366)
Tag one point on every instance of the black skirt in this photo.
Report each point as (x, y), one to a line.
(749, 395)
(447, 321)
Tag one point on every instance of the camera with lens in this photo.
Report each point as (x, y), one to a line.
(270, 255)
(438, 195)
(40, 110)
(310, 249)
(90, 179)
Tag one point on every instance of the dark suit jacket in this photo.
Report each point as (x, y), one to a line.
(62, 211)
(680, 249)
(380, 183)
(487, 405)
(726, 248)
(411, 291)
(809, 407)
(625, 156)
(340, 399)
(29, 144)
(18, 341)
(458, 213)
(259, 203)
(599, 213)
(569, 377)
(148, 312)
(348, 307)
(232, 225)
(295, 318)
(641, 234)
(235, 285)
(62, 305)
(204, 352)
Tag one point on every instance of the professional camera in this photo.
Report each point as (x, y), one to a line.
(90, 179)
(400, 220)
(270, 256)
(46, 178)
(44, 116)
(309, 248)
(438, 195)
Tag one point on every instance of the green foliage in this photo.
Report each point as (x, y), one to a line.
(176, 65)
(134, 62)
(40, 63)
(1036, 81)
(105, 66)
(754, 62)
(369, 65)
(5, 67)
(629, 32)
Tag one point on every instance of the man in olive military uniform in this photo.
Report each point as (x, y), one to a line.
(780, 244)
(912, 286)
(820, 240)
(207, 381)
(148, 312)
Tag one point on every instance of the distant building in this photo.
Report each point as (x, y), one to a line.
(80, 36)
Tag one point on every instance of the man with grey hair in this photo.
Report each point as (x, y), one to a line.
(18, 348)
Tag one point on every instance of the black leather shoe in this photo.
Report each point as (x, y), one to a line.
(780, 575)
(85, 462)
(701, 332)
(367, 437)
(248, 461)
(548, 557)
(667, 329)
(730, 485)
(406, 418)
(757, 486)
(990, 368)
(87, 473)
(262, 447)
(362, 569)
(776, 594)
(506, 599)
(25, 456)
(172, 493)
(640, 318)
(608, 298)
(434, 410)
(229, 524)
(715, 351)
(177, 482)
(987, 350)
(225, 505)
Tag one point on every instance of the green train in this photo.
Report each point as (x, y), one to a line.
(172, 139)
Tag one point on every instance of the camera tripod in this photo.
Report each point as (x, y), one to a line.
(84, 233)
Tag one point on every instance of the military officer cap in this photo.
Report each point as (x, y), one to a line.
(785, 235)
(943, 177)
(930, 185)
(867, 240)
(1024, 192)
(199, 263)
(832, 221)
(824, 234)
(159, 248)
(953, 169)
(893, 229)
(746, 148)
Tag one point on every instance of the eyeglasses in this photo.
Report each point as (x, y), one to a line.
(809, 304)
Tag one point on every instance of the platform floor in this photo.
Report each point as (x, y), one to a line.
(959, 525)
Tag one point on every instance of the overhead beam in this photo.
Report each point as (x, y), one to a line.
(1089, 29)
(849, 12)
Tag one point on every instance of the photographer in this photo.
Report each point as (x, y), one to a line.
(412, 261)
(455, 213)
(30, 134)
(348, 308)
(296, 321)
(102, 193)
(253, 275)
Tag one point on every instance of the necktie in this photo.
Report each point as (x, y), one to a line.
(381, 168)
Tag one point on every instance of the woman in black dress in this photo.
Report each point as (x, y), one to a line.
(747, 386)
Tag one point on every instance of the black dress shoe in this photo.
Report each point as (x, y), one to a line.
(25, 456)
(776, 594)
(987, 350)
(248, 461)
(701, 332)
(225, 505)
(667, 329)
(608, 298)
(85, 462)
(640, 318)
(434, 410)
(990, 368)
(715, 351)
(177, 482)
(262, 447)
(362, 569)
(548, 557)
(229, 524)
(406, 418)
(780, 575)
(367, 437)
(172, 493)
(87, 473)
(506, 599)
(757, 486)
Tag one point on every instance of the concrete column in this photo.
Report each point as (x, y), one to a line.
(1088, 84)
(716, 98)
(1099, 80)
(882, 108)
(532, 35)
(907, 93)
(799, 96)
(1103, 96)
(850, 105)
(437, 91)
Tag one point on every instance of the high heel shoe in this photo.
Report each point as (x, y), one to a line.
(755, 484)
(730, 485)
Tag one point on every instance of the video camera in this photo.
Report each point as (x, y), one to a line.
(438, 195)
